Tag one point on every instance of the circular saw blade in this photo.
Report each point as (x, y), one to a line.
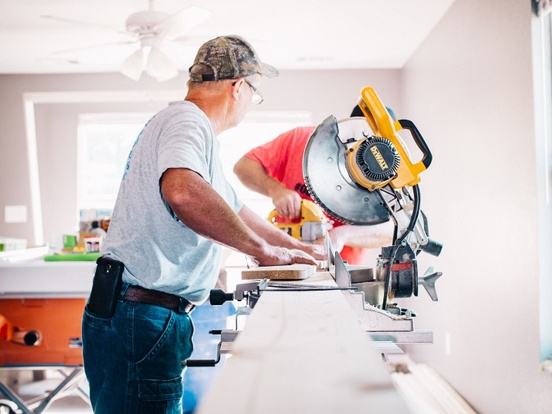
(327, 179)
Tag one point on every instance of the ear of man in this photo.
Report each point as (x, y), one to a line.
(237, 88)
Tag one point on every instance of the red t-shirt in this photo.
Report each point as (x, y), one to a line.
(282, 158)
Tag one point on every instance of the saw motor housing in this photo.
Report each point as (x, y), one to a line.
(404, 171)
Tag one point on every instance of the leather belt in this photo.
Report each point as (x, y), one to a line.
(157, 298)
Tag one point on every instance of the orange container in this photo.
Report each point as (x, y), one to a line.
(58, 320)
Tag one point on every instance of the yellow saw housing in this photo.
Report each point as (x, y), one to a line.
(308, 228)
(380, 160)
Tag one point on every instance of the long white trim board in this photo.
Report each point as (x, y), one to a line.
(303, 352)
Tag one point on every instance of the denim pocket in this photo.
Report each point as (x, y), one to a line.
(161, 341)
(152, 326)
(160, 390)
(159, 396)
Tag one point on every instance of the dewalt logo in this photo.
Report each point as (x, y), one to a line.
(379, 158)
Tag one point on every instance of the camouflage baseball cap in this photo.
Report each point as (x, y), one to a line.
(229, 57)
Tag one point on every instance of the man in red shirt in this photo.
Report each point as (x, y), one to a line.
(275, 170)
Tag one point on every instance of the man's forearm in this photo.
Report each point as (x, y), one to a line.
(277, 237)
(254, 176)
(267, 231)
(203, 210)
(367, 237)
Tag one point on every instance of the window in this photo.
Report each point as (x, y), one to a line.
(105, 141)
(542, 75)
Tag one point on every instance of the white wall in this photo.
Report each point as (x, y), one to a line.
(321, 92)
(469, 89)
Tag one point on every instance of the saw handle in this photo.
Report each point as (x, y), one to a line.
(273, 218)
(418, 139)
(291, 227)
(382, 124)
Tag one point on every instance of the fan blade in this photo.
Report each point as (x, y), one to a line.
(80, 22)
(183, 20)
(132, 66)
(198, 40)
(76, 49)
(187, 40)
(159, 66)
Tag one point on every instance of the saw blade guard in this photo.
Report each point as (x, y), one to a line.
(328, 180)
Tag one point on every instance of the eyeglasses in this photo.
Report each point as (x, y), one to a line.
(257, 97)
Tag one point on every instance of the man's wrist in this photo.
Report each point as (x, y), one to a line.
(274, 189)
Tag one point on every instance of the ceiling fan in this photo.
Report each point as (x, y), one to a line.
(150, 29)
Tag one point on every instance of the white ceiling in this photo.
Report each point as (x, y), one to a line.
(289, 34)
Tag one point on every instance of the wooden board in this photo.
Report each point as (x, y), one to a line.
(301, 353)
(288, 272)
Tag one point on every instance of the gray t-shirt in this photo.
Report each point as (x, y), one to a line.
(159, 251)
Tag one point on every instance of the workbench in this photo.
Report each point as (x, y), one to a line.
(48, 297)
(303, 352)
(40, 279)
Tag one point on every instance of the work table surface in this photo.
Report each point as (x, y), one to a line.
(38, 278)
(303, 352)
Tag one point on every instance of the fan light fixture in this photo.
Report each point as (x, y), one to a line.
(152, 29)
(151, 59)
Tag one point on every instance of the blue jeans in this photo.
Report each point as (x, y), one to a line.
(133, 360)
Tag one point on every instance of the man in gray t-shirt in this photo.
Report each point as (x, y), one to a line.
(173, 213)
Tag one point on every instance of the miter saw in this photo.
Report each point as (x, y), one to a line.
(360, 172)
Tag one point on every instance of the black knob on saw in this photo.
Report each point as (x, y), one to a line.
(218, 297)
(432, 247)
(378, 159)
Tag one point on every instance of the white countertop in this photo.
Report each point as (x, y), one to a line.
(37, 278)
